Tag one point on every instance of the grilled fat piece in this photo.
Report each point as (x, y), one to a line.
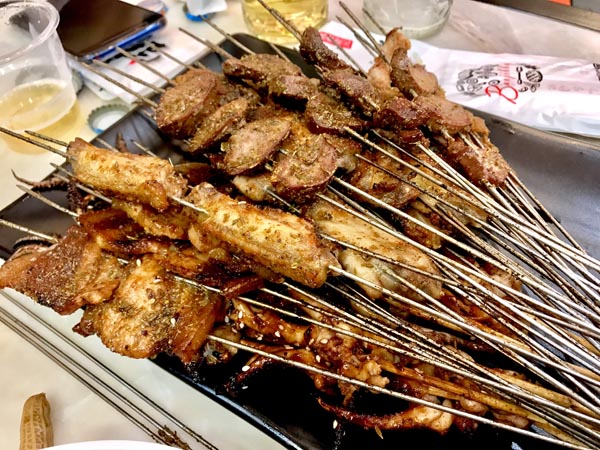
(66, 276)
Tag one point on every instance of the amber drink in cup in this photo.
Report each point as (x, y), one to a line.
(36, 88)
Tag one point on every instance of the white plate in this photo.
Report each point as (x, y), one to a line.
(112, 445)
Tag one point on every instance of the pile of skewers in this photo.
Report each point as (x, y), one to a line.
(356, 225)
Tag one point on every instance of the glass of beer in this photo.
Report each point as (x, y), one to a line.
(301, 13)
(36, 87)
(418, 19)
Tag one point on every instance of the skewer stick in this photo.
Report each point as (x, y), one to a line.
(102, 64)
(359, 37)
(396, 394)
(228, 36)
(43, 199)
(176, 60)
(282, 20)
(140, 97)
(33, 142)
(163, 432)
(278, 51)
(503, 386)
(364, 29)
(215, 48)
(46, 138)
(145, 65)
(27, 230)
(145, 149)
(373, 21)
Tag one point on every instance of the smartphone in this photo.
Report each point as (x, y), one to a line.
(91, 29)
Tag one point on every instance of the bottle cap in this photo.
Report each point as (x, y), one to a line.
(103, 117)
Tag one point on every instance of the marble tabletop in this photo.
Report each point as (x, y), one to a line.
(81, 415)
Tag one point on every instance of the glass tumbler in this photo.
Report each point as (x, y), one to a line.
(36, 87)
(417, 18)
(301, 13)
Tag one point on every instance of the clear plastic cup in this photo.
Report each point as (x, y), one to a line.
(417, 18)
(36, 87)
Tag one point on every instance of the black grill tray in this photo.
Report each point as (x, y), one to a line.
(563, 172)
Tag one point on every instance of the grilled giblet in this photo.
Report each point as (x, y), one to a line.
(279, 241)
(413, 78)
(480, 165)
(207, 260)
(257, 70)
(399, 114)
(218, 125)
(66, 276)
(315, 52)
(253, 144)
(325, 114)
(293, 90)
(152, 312)
(140, 178)
(356, 89)
(183, 106)
(306, 166)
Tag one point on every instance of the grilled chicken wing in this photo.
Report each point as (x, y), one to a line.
(284, 243)
(141, 178)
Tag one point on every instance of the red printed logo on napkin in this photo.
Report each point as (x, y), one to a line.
(504, 80)
(332, 39)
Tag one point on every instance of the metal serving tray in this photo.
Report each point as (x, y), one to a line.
(563, 172)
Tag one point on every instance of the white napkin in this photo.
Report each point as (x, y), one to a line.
(543, 92)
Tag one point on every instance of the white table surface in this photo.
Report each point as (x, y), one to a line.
(79, 414)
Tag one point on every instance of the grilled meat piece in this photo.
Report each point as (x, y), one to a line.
(218, 125)
(293, 90)
(259, 69)
(183, 106)
(379, 75)
(418, 233)
(480, 165)
(419, 416)
(315, 52)
(66, 276)
(395, 41)
(152, 312)
(346, 150)
(332, 221)
(325, 114)
(253, 144)
(356, 89)
(172, 223)
(307, 165)
(280, 241)
(380, 184)
(405, 138)
(141, 178)
(255, 186)
(443, 114)
(399, 114)
(413, 78)
(113, 231)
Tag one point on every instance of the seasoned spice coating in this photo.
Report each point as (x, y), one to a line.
(253, 144)
(281, 241)
(141, 178)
